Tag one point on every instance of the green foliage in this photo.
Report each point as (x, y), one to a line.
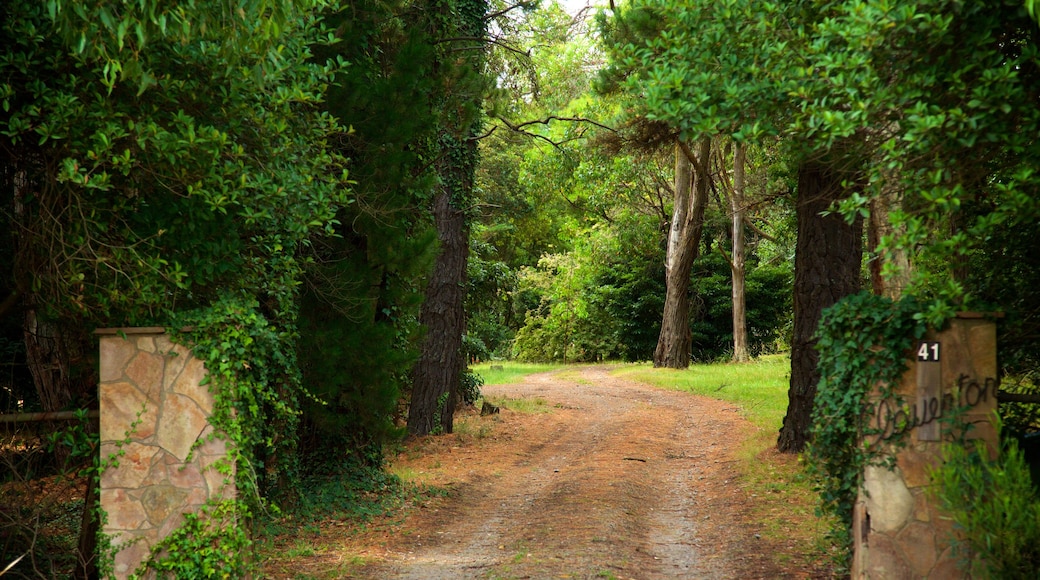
(355, 486)
(629, 294)
(864, 341)
(168, 166)
(602, 302)
(363, 288)
(146, 201)
(489, 329)
(212, 543)
(469, 387)
(995, 507)
(354, 361)
(1019, 419)
(922, 93)
(442, 405)
(251, 368)
(960, 152)
(767, 296)
(586, 300)
(1005, 277)
(78, 441)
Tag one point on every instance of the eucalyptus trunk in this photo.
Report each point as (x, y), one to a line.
(828, 255)
(737, 262)
(691, 197)
(887, 281)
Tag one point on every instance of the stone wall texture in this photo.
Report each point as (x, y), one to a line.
(897, 531)
(154, 409)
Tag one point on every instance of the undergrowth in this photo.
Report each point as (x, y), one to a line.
(344, 496)
(995, 507)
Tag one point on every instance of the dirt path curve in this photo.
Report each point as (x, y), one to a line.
(620, 480)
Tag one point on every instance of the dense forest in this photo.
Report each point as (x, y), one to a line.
(351, 201)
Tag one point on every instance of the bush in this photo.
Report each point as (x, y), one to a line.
(469, 386)
(768, 302)
(996, 509)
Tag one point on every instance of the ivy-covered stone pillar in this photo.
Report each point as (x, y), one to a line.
(898, 532)
(154, 424)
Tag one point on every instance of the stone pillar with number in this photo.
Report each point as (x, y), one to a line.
(897, 531)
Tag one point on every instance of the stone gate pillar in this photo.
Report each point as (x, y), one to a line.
(897, 531)
(153, 408)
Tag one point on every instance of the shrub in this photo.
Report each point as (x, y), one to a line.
(995, 508)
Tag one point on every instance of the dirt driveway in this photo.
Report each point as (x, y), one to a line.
(619, 480)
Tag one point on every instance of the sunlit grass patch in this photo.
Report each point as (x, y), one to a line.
(472, 426)
(522, 405)
(505, 372)
(758, 387)
(408, 475)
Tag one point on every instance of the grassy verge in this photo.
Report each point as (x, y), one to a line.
(783, 499)
(758, 387)
(503, 373)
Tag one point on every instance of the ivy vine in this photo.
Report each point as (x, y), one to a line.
(864, 343)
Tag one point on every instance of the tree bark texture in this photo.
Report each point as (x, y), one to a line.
(684, 237)
(879, 226)
(736, 200)
(57, 357)
(436, 375)
(828, 255)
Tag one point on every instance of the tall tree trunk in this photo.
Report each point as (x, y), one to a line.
(827, 261)
(736, 201)
(684, 237)
(436, 374)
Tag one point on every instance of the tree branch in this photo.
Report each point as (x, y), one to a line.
(551, 118)
(519, 128)
(482, 40)
(757, 230)
(507, 10)
(1004, 397)
(725, 255)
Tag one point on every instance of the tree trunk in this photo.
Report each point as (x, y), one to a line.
(57, 358)
(891, 283)
(736, 200)
(828, 255)
(436, 374)
(691, 197)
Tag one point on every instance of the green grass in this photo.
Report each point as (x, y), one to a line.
(522, 405)
(759, 387)
(505, 372)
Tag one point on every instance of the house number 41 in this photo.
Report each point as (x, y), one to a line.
(928, 352)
